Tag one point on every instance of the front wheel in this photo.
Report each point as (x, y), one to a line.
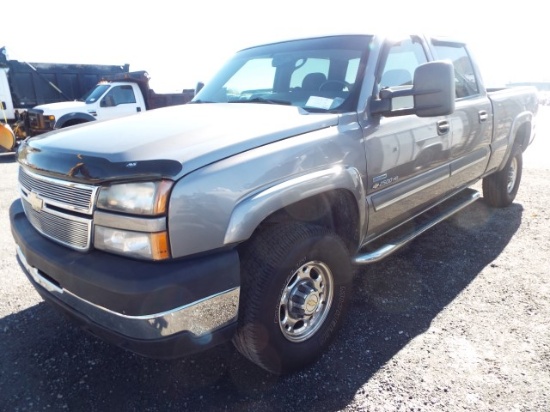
(500, 188)
(295, 287)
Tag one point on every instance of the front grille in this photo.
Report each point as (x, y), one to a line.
(67, 195)
(60, 210)
(63, 229)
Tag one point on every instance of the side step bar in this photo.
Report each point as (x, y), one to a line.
(445, 210)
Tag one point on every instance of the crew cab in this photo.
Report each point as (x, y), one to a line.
(241, 215)
(114, 96)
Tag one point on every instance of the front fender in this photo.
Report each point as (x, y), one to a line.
(221, 204)
(251, 211)
(78, 116)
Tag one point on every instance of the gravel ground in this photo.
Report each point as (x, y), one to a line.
(457, 320)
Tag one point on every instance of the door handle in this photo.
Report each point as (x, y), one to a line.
(443, 127)
(138, 109)
(483, 116)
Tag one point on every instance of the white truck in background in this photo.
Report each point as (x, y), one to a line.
(24, 85)
(114, 96)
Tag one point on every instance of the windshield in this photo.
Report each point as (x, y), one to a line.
(320, 74)
(95, 93)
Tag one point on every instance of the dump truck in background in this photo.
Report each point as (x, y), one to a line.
(114, 96)
(24, 85)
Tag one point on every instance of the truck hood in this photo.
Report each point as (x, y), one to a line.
(62, 107)
(167, 142)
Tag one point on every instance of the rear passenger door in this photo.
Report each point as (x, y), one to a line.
(471, 122)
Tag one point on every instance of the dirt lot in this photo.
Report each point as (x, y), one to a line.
(458, 320)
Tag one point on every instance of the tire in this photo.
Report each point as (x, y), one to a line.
(500, 189)
(296, 281)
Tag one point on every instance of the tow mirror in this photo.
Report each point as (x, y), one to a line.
(432, 93)
(434, 89)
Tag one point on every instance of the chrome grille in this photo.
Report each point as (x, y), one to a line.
(60, 210)
(67, 195)
(62, 229)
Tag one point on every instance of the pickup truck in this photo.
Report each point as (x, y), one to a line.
(114, 96)
(242, 215)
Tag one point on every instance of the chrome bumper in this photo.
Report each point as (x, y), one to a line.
(200, 318)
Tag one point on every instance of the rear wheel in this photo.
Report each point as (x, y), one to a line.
(296, 283)
(500, 189)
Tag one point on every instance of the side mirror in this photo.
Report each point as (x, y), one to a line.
(434, 89)
(433, 93)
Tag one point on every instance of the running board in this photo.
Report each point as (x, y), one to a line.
(444, 211)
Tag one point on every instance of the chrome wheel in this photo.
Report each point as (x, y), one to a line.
(512, 175)
(306, 301)
(296, 285)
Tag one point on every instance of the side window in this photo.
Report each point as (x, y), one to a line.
(398, 69)
(119, 95)
(124, 94)
(465, 78)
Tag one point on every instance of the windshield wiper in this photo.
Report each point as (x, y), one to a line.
(262, 100)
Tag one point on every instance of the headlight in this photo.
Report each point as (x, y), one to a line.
(128, 243)
(141, 198)
(143, 235)
(49, 121)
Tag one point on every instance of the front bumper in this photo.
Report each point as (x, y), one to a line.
(37, 123)
(156, 309)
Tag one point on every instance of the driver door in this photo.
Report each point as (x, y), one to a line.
(407, 156)
(119, 101)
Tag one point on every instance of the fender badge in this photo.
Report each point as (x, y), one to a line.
(36, 201)
(379, 178)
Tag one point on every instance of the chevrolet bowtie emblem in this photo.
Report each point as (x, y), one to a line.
(36, 201)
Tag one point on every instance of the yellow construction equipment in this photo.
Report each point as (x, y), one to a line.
(7, 138)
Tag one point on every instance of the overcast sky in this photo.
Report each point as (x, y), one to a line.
(180, 43)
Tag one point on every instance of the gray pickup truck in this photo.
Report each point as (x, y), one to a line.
(241, 215)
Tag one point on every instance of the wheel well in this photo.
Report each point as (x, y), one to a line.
(336, 210)
(73, 122)
(523, 136)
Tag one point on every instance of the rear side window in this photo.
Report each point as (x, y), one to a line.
(465, 78)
